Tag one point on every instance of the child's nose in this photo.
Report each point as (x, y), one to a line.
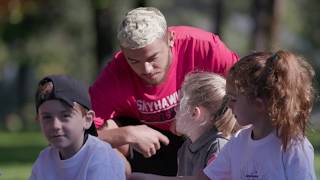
(56, 124)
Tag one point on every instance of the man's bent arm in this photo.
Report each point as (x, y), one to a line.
(113, 134)
(143, 138)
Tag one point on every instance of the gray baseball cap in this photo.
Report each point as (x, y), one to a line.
(68, 90)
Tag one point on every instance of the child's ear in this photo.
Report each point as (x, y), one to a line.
(260, 104)
(89, 119)
(196, 113)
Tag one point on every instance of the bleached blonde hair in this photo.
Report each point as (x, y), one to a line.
(140, 27)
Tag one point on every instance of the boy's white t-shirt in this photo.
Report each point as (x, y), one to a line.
(245, 159)
(95, 160)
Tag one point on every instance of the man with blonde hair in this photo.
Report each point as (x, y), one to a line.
(142, 82)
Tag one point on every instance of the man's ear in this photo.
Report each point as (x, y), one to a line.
(170, 38)
(89, 119)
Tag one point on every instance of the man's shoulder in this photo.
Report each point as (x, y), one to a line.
(181, 32)
(186, 29)
(115, 70)
(117, 62)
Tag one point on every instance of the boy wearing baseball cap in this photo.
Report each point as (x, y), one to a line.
(66, 119)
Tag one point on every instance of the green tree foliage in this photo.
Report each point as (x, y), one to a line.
(78, 37)
(38, 38)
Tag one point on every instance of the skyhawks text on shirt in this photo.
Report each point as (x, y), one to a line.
(159, 105)
(160, 110)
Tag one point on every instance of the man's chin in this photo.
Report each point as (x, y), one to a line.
(152, 82)
(155, 81)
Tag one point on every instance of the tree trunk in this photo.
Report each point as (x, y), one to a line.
(141, 3)
(266, 15)
(218, 8)
(103, 23)
(23, 90)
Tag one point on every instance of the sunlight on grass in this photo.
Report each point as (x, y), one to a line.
(18, 151)
(314, 137)
(14, 171)
(317, 164)
(21, 139)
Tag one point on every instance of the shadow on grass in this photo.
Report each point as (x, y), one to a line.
(25, 154)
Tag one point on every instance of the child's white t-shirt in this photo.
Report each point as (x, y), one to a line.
(246, 159)
(95, 160)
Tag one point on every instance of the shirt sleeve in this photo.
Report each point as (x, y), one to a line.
(37, 167)
(33, 175)
(220, 168)
(299, 161)
(222, 57)
(110, 166)
(103, 97)
(215, 148)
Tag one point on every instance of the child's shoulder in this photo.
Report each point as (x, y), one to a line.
(243, 132)
(98, 147)
(97, 144)
(101, 153)
(48, 154)
(299, 146)
(299, 157)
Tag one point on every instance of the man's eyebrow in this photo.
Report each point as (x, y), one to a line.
(132, 59)
(153, 55)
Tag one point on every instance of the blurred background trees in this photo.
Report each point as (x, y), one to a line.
(78, 37)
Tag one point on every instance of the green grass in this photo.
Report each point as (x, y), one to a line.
(18, 151)
(317, 164)
(314, 137)
(15, 171)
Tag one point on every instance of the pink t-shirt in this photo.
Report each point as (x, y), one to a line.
(119, 92)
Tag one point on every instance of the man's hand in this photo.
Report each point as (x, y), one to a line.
(147, 140)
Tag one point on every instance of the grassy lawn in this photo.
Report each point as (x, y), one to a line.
(314, 137)
(19, 150)
(17, 153)
(317, 164)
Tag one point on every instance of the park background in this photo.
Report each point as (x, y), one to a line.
(78, 37)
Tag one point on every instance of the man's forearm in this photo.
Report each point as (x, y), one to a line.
(115, 136)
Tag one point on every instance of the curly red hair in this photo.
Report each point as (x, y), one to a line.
(285, 81)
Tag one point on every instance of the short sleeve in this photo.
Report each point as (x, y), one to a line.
(108, 166)
(33, 175)
(299, 161)
(220, 168)
(103, 93)
(223, 58)
(215, 148)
